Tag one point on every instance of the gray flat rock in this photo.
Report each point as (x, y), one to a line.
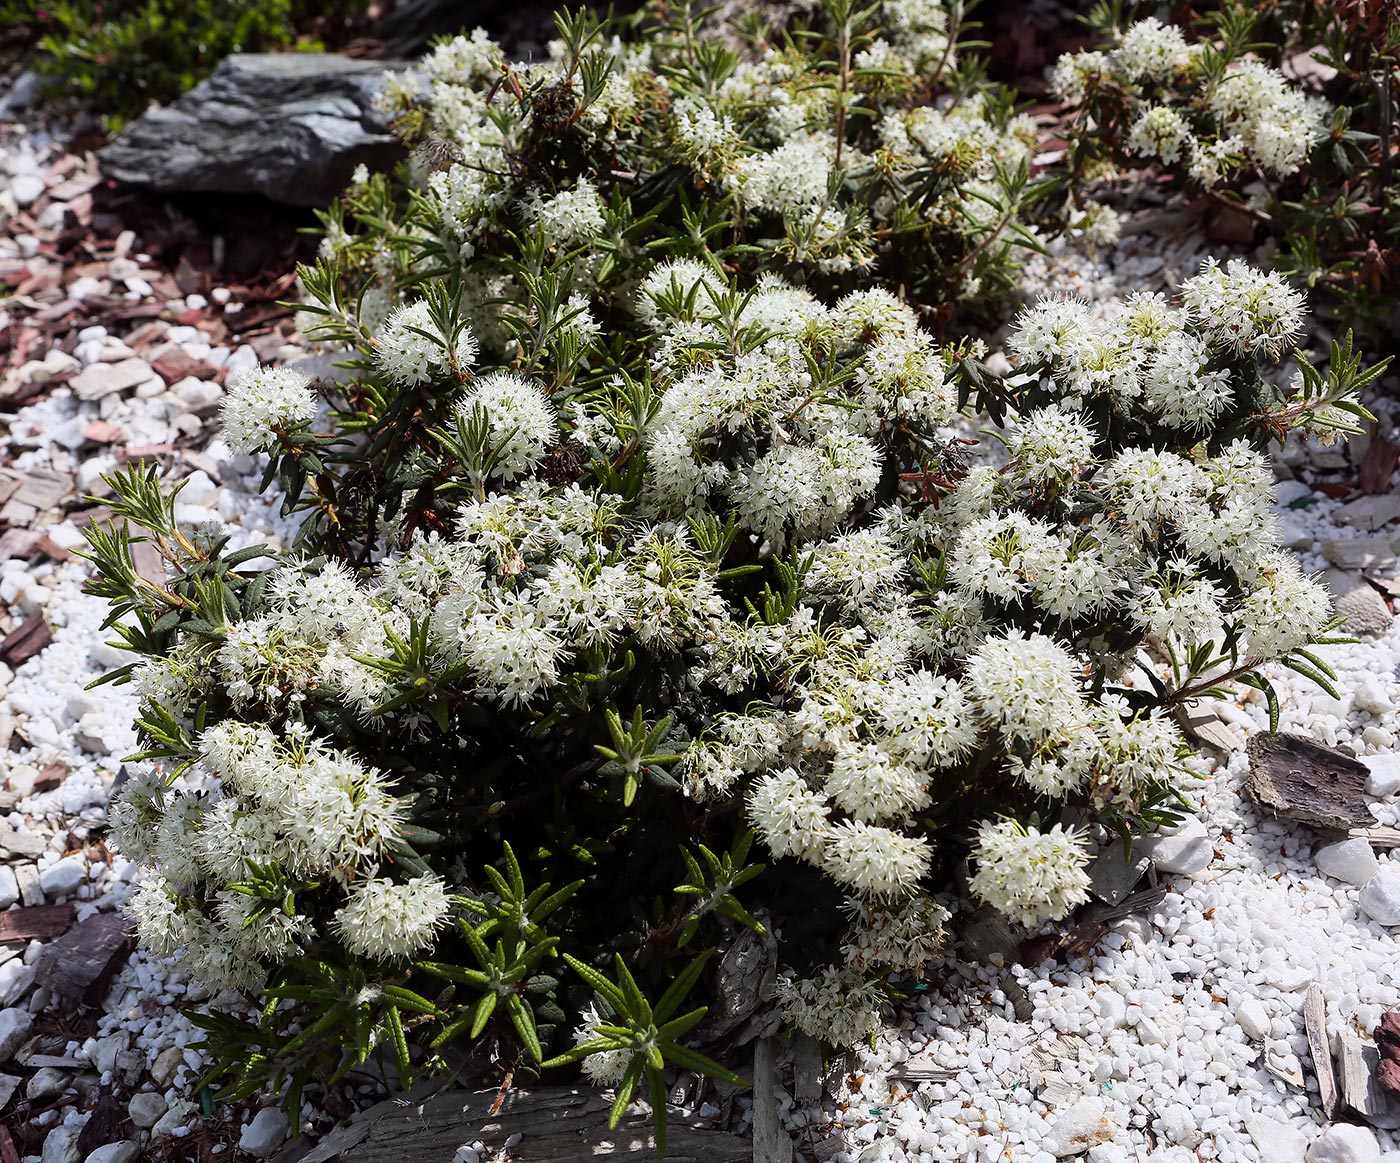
(289, 126)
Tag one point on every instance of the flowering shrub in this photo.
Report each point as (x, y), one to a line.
(613, 568)
(1305, 158)
(820, 158)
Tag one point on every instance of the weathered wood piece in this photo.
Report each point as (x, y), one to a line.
(82, 962)
(42, 922)
(1293, 776)
(771, 1143)
(24, 642)
(106, 1124)
(1315, 1023)
(806, 1070)
(1361, 1089)
(1379, 836)
(554, 1124)
(31, 892)
(745, 978)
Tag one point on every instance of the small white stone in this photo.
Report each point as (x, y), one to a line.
(61, 1145)
(146, 1108)
(15, 1025)
(1380, 897)
(125, 1151)
(1351, 861)
(1370, 696)
(9, 887)
(1253, 1019)
(26, 188)
(47, 1082)
(1184, 849)
(64, 876)
(1384, 779)
(1279, 1142)
(1079, 1127)
(264, 1134)
(1344, 1143)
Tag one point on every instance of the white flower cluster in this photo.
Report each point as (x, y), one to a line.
(265, 404)
(1177, 113)
(765, 135)
(1028, 875)
(412, 348)
(294, 804)
(1157, 363)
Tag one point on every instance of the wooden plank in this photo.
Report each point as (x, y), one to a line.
(555, 1124)
(771, 1142)
(82, 962)
(44, 922)
(1315, 1022)
(1361, 1089)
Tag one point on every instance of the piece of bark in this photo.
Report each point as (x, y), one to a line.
(1295, 777)
(986, 935)
(24, 643)
(8, 1153)
(1282, 1063)
(1378, 465)
(107, 1123)
(806, 1070)
(1379, 837)
(41, 922)
(771, 1143)
(556, 1124)
(82, 963)
(1361, 1089)
(1315, 1023)
(745, 978)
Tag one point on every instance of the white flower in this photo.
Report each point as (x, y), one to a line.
(1050, 447)
(1075, 72)
(521, 422)
(265, 404)
(875, 861)
(163, 918)
(570, 217)
(789, 815)
(870, 784)
(1275, 122)
(1160, 132)
(1152, 51)
(388, 921)
(928, 720)
(1027, 686)
(1284, 610)
(605, 1068)
(900, 937)
(1243, 310)
(1028, 875)
(835, 1006)
(412, 349)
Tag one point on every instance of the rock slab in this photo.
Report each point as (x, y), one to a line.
(289, 126)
